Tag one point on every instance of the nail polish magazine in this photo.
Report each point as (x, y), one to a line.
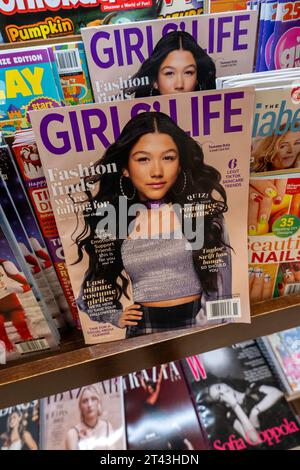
(274, 236)
(147, 196)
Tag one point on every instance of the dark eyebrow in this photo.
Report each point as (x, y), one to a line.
(139, 152)
(170, 67)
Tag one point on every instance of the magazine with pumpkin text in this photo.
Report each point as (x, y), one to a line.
(169, 55)
(28, 21)
(147, 197)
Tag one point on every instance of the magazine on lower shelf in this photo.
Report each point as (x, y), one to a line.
(283, 353)
(20, 427)
(147, 205)
(160, 414)
(85, 418)
(239, 401)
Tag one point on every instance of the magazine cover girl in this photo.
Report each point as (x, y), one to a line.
(169, 55)
(145, 197)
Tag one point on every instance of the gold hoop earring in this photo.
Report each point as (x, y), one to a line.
(123, 192)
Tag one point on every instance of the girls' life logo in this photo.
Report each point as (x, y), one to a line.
(287, 51)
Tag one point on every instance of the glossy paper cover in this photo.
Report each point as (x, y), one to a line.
(86, 418)
(160, 414)
(143, 59)
(20, 427)
(198, 169)
(27, 21)
(239, 401)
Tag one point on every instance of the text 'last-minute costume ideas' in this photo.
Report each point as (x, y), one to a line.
(104, 162)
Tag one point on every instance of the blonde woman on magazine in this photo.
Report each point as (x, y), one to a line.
(279, 151)
(93, 432)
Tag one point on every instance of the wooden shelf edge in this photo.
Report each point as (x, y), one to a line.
(75, 364)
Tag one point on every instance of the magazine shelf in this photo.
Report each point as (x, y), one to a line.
(75, 364)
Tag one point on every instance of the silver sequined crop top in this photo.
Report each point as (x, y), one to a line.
(160, 269)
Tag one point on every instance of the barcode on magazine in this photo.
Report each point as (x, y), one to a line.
(223, 309)
(292, 288)
(68, 61)
(32, 345)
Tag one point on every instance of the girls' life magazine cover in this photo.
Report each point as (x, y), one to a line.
(147, 196)
(160, 414)
(169, 55)
(238, 400)
(20, 427)
(86, 418)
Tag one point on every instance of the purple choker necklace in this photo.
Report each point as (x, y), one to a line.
(154, 203)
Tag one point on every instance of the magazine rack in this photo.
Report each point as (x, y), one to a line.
(75, 364)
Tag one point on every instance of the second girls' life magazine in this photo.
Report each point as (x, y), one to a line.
(168, 56)
(147, 196)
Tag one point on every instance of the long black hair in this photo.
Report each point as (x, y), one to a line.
(200, 178)
(176, 40)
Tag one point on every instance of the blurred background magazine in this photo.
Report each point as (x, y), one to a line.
(86, 418)
(20, 427)
(13, 184)
(159, 412)
(25, 325)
